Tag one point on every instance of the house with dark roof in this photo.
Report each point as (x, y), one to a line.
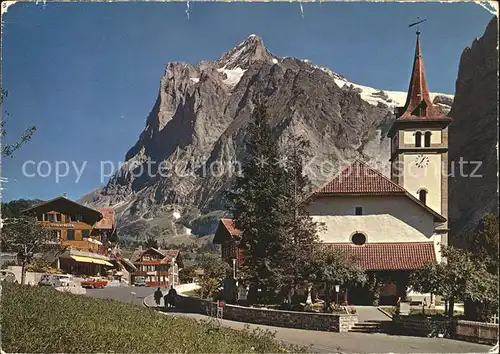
(229, 237)
(159, 267)
(393, 225)
(85, 234)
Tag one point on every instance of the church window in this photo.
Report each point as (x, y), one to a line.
(358, 239)
(359, 210)
(418, 139)
(422, 195)
(427, 139)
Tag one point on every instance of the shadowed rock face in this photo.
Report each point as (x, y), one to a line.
(473, 135)
(198, 123)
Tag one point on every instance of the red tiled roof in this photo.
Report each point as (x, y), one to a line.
(108, 219)
(229, 225)
(359, 178)
(167, 254)
(389, 256)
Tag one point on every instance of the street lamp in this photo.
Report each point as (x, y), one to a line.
(234, 268)
(173, 271)
(337, 289)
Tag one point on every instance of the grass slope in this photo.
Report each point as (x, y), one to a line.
(39, 319)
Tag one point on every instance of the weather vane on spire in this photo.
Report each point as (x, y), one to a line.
(418, 24)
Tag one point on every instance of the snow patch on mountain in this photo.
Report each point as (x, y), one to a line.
(233, 76)
(377, 96)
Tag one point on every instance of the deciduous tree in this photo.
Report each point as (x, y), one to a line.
(460, 278)
(330, 267)
(215, 270)
(25, 237)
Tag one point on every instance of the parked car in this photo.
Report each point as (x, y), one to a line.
(7, 275)
(94, 282)
(140, 281)
(55, 280)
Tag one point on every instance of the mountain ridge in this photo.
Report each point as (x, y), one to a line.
(199, 120)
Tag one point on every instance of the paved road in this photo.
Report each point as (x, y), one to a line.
(321, 342)
(122, 294)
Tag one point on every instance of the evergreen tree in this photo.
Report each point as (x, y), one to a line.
(151, 242)
(256, 203)
(301, 229)
(267, 203)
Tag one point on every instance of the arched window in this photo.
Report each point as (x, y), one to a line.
(358, 239)
(427, 139)
(422, 195)
(418, 139)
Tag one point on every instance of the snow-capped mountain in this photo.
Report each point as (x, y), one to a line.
(200, 117)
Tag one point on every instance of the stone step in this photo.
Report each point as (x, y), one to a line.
(366, 325)
(372, 326)
(365, 330)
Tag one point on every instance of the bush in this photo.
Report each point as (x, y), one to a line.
(66, 323)
(7, 264)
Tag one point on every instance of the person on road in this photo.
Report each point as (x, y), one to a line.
(158, 295)
(172, 295)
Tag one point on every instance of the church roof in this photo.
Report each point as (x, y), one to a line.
(418, 101)
(389, 256)
(361, 179)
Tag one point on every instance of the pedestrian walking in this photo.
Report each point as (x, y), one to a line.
(172, 293)
(158, 295)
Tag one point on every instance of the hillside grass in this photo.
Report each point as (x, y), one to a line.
(42, 319)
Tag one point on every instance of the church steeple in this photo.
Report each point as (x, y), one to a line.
(418, 102)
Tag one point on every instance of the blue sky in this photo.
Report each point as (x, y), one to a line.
(87, 74)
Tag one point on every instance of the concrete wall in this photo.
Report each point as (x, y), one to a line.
(384, 219)
(31, 278)
(478, 332)
(289, 319)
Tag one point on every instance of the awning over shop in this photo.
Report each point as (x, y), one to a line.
(91, 260)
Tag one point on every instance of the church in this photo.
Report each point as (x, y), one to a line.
(390, 226)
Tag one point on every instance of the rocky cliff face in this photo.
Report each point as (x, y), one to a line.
(473, 135)
(186, 155)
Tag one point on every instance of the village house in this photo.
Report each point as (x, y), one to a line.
(389, 226)
(85, 235)
(229, 237)
(159, 267)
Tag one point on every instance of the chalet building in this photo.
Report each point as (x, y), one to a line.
(390, 226)
(160, 267)
(229, 237)
(85, 234)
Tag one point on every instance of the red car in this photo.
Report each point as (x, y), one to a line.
(93, 283)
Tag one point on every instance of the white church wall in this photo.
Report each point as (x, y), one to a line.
(384, 219)
(428, 178)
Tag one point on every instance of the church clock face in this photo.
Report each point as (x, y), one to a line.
(422, 161)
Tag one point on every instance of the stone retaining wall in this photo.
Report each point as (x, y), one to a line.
(479, 332)
(290, 319)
